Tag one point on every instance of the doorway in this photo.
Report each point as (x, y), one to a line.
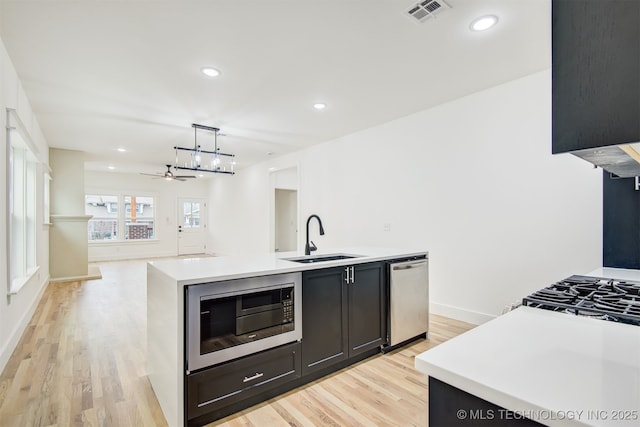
(285, 204)
(286, 220)
(192, 226)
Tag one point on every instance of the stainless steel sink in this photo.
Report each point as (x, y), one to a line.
(321, 258)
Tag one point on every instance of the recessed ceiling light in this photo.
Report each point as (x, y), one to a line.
(200, 175)
(111, 167)
(122, 150)
(210, 71)
(483, 23)
(320, 106)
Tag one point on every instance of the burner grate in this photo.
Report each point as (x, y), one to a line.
(606, 299)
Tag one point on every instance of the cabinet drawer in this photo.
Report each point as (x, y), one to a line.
(223, 385)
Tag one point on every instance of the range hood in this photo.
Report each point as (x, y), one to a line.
(621, 160)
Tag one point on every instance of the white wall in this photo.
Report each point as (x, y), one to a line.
(166, 209)
(285, 178)
(68, 252)
(16, 311)
(67, 186)
(473, 181)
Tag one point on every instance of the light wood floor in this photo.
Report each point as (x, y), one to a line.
(82, 362)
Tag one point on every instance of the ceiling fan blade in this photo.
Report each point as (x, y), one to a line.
(168, 175)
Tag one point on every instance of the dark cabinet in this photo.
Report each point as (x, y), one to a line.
(620, 223)
(452, 407)
(595, 73)
(214, 389)
(367, 308)
(343, 314)
(324, 319)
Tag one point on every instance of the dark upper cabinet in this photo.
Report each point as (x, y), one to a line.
(620, 223)
(595, 73)
(596, 81)
(343, 313)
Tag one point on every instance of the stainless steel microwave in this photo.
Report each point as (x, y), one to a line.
(234, 318)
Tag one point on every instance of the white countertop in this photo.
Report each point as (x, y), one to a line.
(188, 271)
(616, 273)
(555, 368)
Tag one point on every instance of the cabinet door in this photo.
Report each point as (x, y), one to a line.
(367, 308)
(324, 319)
(595, 73)
(621, 223)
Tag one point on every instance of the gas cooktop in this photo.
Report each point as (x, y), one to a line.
(607, 299)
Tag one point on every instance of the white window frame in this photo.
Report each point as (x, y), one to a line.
(128, 217)
(107, 206)
(123, 216)
(46, 195)
(22, 214)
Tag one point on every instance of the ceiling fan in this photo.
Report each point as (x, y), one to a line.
(170, 176)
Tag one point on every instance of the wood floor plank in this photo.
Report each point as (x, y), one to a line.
(82, 362)
(354, 409)
(291, 414)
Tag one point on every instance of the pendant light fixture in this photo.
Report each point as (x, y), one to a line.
(197, 159)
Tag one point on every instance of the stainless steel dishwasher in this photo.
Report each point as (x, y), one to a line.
(409, 300)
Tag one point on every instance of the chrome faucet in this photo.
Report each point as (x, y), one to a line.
(312, 247)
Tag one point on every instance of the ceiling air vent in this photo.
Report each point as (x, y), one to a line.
(424, 10)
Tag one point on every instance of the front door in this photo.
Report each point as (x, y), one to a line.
(192, 226)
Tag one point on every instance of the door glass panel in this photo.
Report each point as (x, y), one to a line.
(191, 215)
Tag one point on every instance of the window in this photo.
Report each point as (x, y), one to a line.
(191, 214)
(139, 220)
(104, 223)
(22, 174)
(111, 223)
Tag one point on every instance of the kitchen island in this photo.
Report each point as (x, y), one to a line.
(533, 365)
(169, 281)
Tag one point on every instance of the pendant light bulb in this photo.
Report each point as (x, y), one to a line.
(198, 157)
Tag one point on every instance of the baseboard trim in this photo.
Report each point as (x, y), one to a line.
(461, 314)
(15, 336)
(148, 256)
(93, 273)
(131, 257)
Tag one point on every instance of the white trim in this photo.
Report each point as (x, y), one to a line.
(122, 217)
(95, 275)
(31, 157)
(19, 282)
(70, 218)
(458, 313)
(98, 243)
(8, 212)
(46, 196)
(21, 325)
(137, 255)
(14, 122)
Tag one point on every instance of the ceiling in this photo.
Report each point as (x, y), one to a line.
(102, 75)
